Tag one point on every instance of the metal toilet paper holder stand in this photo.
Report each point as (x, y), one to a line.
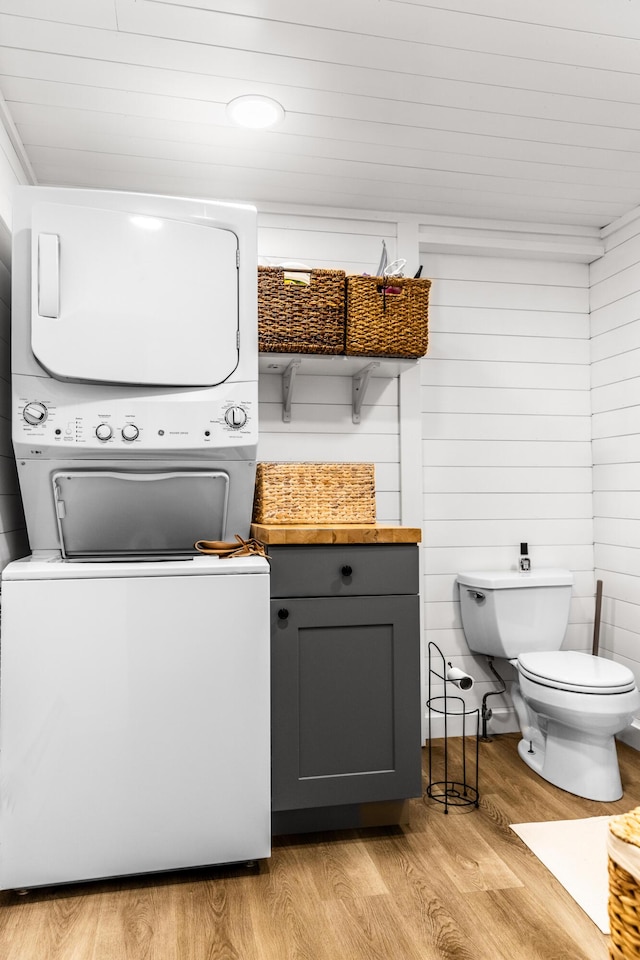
(452, 708)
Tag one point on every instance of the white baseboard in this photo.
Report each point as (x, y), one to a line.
(503, 720)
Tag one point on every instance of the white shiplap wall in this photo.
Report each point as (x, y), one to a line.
(13, 540)
(321, 427)
(505, 415)
(615, 329)
(506, 423)
(506, 428)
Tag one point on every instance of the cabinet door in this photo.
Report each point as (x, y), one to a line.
(345, 700)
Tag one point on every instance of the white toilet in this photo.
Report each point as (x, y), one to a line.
(570, 705)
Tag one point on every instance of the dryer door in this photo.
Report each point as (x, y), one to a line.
(121, 298)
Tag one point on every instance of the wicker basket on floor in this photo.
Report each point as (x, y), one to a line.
(387, 317)
(624, 887)
(315, 493)
(301, 318)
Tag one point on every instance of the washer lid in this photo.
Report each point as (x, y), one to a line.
(578, 672)
(55, 568)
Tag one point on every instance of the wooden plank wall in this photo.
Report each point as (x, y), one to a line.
(615, 330)
(506, 428)
(321, 428)
(506, 419)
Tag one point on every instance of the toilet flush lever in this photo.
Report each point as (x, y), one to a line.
(476, 594)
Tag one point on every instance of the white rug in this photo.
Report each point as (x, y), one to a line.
(575, 851)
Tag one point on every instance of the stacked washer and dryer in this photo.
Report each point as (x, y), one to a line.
(134, 683)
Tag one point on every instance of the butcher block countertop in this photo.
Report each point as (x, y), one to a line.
(334, 533)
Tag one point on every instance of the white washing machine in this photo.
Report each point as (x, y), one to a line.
(134, 680)
(134, 717)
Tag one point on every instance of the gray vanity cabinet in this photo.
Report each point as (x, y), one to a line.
(345, 647)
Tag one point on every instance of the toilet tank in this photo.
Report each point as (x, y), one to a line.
(506, 612)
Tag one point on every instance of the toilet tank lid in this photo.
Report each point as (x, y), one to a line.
(508, 579)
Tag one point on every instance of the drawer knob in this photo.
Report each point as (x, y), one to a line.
(346, 570)
(283, 614)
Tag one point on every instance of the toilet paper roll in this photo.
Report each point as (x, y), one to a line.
(460, 678)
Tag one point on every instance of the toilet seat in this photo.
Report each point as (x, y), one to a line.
(576, 672)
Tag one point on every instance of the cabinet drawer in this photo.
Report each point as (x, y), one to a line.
(343, 570)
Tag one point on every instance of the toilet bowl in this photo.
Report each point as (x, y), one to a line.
(570, 705)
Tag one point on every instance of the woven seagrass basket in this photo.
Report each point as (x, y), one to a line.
(305, 318)
(315, 493)
(384, 323)
(624, 891)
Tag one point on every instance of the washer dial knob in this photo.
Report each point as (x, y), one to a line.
(104, 431)
(130, 432)
(236, 417)
(34, 413)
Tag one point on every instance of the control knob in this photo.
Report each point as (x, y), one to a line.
(236, 417)
(34, 412)
(130, 432)
(104, 431)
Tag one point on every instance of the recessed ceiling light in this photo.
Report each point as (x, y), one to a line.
(255, 112)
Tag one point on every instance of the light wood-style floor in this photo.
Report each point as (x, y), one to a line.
(455, 887)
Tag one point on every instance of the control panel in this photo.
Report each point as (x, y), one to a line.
(47, 420)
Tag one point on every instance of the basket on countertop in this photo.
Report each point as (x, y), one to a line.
(387, 316)
(624, 886)
(301, 318)
(315, 493)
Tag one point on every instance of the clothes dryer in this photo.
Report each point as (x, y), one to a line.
(134, 354)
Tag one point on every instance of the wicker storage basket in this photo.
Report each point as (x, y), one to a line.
(295, 318)
(315, 493)
(386, 324)
(624, 887)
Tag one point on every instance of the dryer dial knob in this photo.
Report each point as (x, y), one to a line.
(34, 413)
(236, 417)
(104, 431)
(130, 432)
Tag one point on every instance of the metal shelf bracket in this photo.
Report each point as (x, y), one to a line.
(360, 383)
(288, 378)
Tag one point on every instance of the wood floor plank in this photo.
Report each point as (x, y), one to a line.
(544, 902)
(288, 919)
(342, 867)
(460, 886)
(212, 919)
(62, 927)
(427, 899)
(373, 928)
(142, 922)
(468, 860)
(528, 928)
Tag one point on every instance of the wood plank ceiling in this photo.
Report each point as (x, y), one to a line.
(501, 109)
